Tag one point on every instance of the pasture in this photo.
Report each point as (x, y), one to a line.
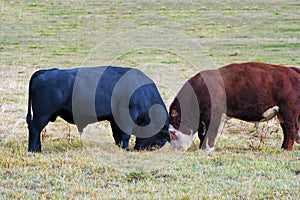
(169, 41)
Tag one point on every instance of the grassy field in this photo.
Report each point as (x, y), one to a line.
(169, 41)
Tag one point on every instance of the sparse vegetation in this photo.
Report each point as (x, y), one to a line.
(192, 36)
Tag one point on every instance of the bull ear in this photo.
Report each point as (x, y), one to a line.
(174, 113)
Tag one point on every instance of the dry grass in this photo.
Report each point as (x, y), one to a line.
(169, 41)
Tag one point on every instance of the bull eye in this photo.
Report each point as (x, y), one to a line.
(173, 135)
(174, 113)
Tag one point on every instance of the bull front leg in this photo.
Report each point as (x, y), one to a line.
(214, 125)
(212, 133)
(121, 138)
(201, 135)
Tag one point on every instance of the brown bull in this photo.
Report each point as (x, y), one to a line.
(250, 91)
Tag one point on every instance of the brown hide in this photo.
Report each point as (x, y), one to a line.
(243, 91)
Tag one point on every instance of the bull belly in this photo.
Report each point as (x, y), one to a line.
(254, 115)
(252, 118)
(66, 115)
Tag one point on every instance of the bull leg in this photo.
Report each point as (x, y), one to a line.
(121, 138)
(291, 132)
(203, 143)
(212, 131)
(284, 135)
(35, 127)
(201, 135)
(283, 127)
(290, 129)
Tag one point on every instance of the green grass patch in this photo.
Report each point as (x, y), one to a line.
(289, 30)
(170, 61)
(36, 5)
(77, 11)
(48, 32)
(281, 45)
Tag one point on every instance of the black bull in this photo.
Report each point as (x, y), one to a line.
(125, 97)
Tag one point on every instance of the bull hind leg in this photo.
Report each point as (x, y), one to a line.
(121, 138)
(283, 127)
(290, 128)
(284, 134)
(289, 136)
(35, 127)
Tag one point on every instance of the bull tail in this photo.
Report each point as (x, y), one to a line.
(29, 116)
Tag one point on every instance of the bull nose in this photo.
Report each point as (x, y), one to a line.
(172, 135)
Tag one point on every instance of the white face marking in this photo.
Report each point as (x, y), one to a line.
(181, 141)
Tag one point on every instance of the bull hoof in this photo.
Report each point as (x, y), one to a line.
(126, 148)
(209, 149)
(286, 148)
(34, 151)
